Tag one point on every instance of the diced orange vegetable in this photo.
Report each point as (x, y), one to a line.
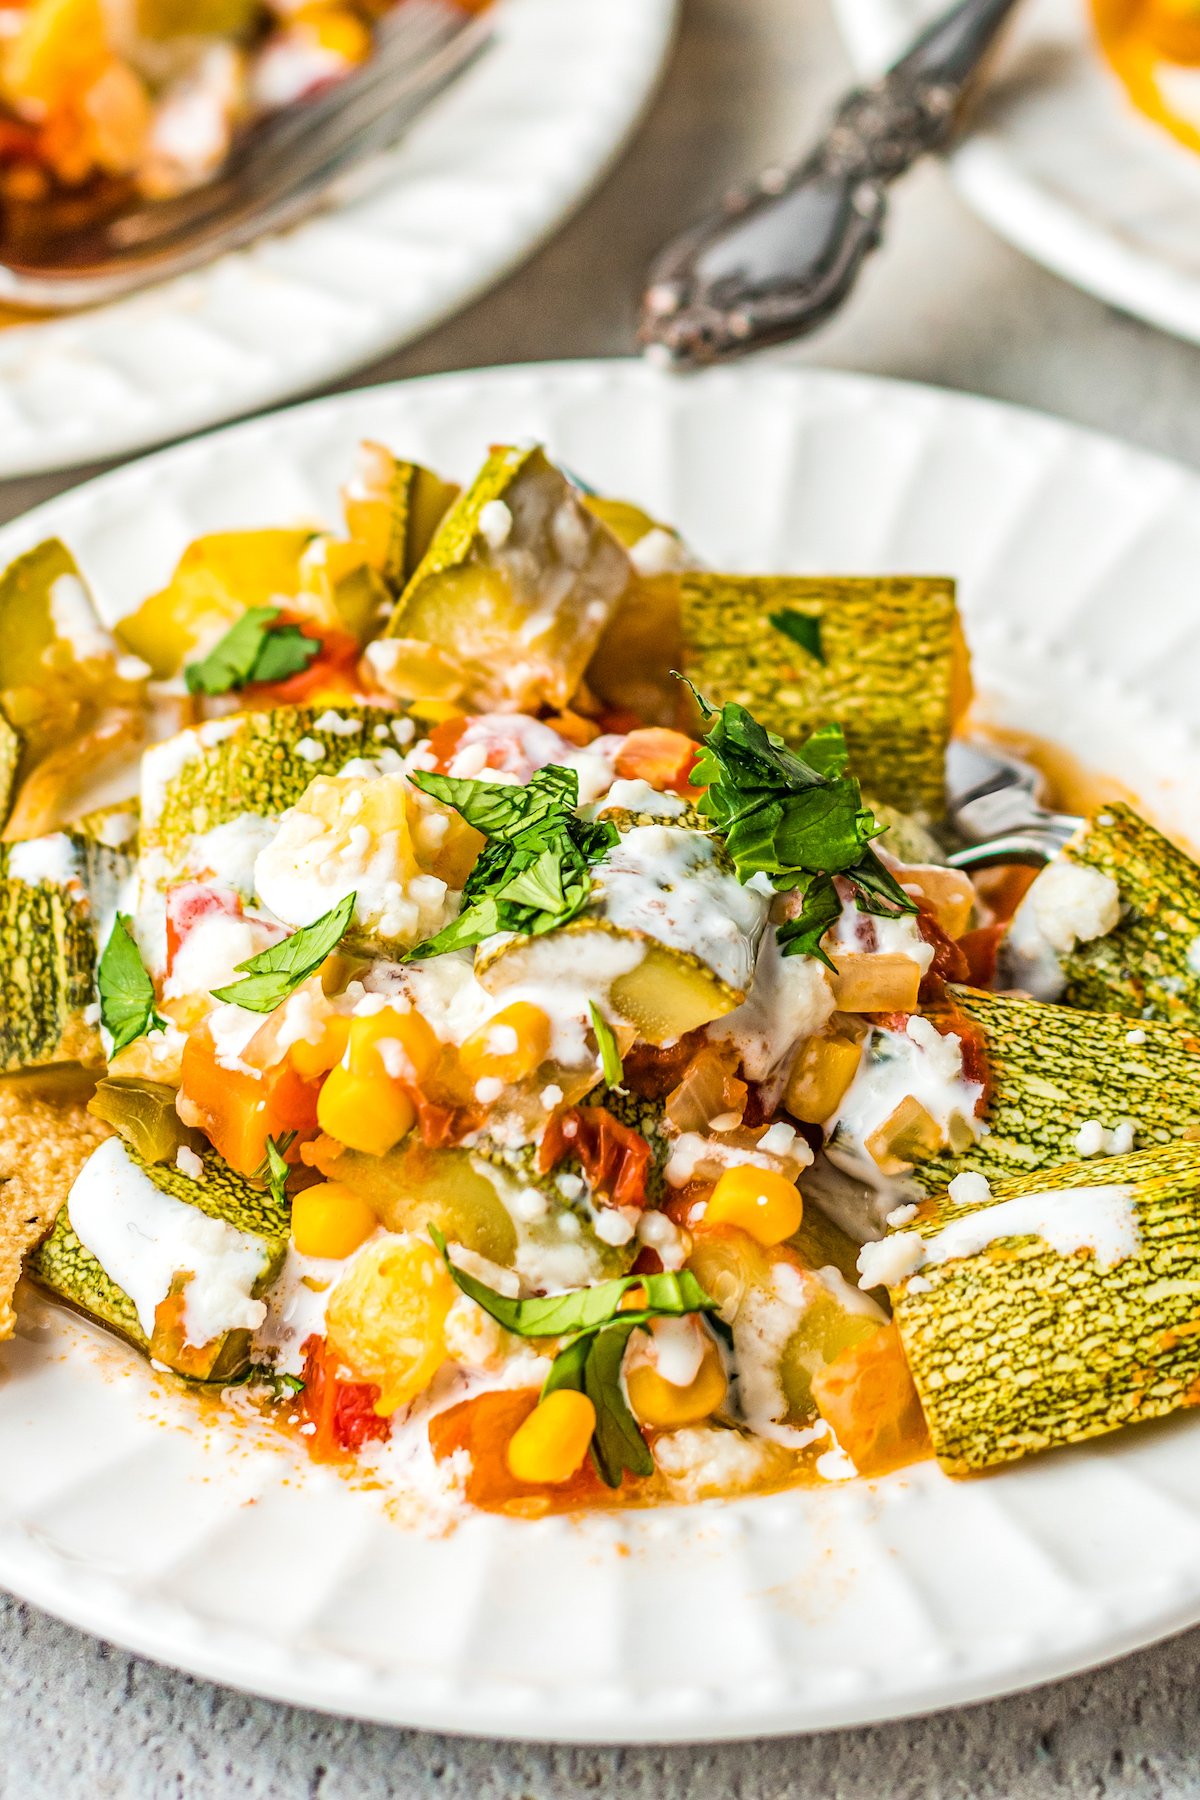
(551, 1443)
(876, 982)
(821, 1075)
(342, 1412)
(948, 894)
(240, 1110)
(664, 1406)
(659, 756)
(758, 1201)
(484, 1426)
(364, 1112)
(868, 1397)
(59, 50)
(508, 1046)
(330, 1220)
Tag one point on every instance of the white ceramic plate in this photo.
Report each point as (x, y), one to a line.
(121, 1511)
(496, 164)
(1062, 165)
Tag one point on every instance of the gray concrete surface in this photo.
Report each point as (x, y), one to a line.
(943, 302)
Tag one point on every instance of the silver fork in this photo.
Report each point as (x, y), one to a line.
(275, 174)
(993, 803)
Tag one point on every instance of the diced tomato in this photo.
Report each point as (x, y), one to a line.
(949, 963)
(867, 1395)
(618, 721)
(647, 1262)
(653, 1071)
(484, 1427)
(240, 1108)
(342, 1411)
(661, 757)
(190, 901)
(330, 675)
(616, 1159)
(980, 948)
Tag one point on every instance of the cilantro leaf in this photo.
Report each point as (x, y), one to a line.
(275, 973)
(254, 648)
(274, 1169)
(610, 1055)
(592, 1365)
(668, 1295)
(803, 629)
(821, 908)
(125, 989)
(797, 817)
(533, 874)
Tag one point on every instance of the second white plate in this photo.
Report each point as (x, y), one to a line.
(478, 183)
(126, 1511)
(1057, 161)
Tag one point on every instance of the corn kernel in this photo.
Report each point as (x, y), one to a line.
(335, 29)
(663, 1406)
(509, 1046)
(552, 1442)
(364, 1112)
(313, 1060)
(419, 1048)
(330, 1220)
(758, 1201)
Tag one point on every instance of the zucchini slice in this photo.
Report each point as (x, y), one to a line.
(1148, 965)
(517, 585)
(883, 656)
(669, 935)
(57, 895)
(251, 764)
(1055, 1069)
(392, 510)
(123, 1191)
(1018, 1340)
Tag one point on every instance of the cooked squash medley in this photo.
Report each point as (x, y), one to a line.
(494, 993)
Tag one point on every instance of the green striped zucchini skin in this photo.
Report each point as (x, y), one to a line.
(889, 646)
(1053, 1068)
(255, 769)
(47, 972)
(1018, 1348)
(1149, 965)
(64, 1268)
(47, 976)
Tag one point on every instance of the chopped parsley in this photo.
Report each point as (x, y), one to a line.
(803, 629)
(254, 648)
(796, 817)
(533, 874)
(126, 991)
(598, 1328)
(275, 973)
(273, 1169)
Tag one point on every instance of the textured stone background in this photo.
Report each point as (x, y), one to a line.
(943, 302)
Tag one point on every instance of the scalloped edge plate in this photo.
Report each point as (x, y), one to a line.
(129, 1510)
(475, 187)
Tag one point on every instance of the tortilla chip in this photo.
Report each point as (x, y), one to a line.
(43, 1145)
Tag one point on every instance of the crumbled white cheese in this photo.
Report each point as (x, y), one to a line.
(488, 1089)
(188, 1163)
(1095, 1139)
(615, 1225)
(891, 1260)
(310, 749)
(495, 524)
(1136, 1036)
(902, 1215)
(967, 1189)
(1073, 903)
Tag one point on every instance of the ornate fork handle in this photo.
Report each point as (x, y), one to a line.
(783, 253)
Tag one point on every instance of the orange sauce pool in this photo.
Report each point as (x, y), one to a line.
(1143, 39)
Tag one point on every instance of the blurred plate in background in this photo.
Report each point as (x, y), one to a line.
(480, 181)
(1059, 163)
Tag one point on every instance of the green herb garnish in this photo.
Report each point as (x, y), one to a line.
(803, 629)
(796, 817)
(281, 1387)
(254, 648)
(598, 1331)
(275, 973)
(606, 1040)
(533, 874)
(273, 1169)
(126, 992)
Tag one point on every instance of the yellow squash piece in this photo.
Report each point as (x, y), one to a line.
(518, 585)
(387, 1317)
(392, 510)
